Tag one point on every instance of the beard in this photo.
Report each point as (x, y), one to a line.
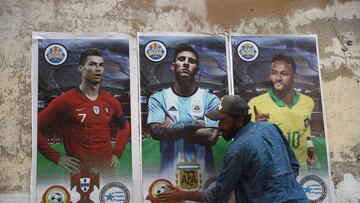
(229, 134)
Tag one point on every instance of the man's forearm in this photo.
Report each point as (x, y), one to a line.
(121, 139)
(204, 136)
(193, 196)
(45, 149)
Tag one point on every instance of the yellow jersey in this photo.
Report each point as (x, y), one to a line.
(293, 120)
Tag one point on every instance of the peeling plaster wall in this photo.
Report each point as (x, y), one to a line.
(337, 24)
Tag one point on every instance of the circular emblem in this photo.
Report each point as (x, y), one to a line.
(314, 187)
(248, 51)
(56, 194)
(157, 187)
(114, 192)
(55, 54)
(211, 182)
(155, 51)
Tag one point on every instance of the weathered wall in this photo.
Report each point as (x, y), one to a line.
(337, 25)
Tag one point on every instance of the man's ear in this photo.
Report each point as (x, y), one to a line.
(240, 122)
(172, 66)
(81, 67)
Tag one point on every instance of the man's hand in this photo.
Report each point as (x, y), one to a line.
(312, 158)
(173, 196)
(115, 161)
(259, 116)
(71, 164)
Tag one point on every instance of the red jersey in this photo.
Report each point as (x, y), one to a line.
(85, 126)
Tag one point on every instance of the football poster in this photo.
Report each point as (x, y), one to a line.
(182, 76)
(280, 77)
(118, 117)
(82, 120)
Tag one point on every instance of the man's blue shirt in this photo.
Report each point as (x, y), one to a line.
(258, 167)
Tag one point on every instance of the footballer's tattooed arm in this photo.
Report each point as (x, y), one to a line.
(193, 130)
(172, 131)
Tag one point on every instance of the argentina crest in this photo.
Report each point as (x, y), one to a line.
(188, 176)
(196, 107)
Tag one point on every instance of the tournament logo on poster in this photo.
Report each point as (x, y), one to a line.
(114, 192)
(55, 54)
(56, 194)
(155, 51)
(157, 187)
(314, 187)
(248, 51)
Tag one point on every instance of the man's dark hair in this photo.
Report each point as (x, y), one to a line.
(89, 52)
(185, 47)
(288, 59)
(247, 118)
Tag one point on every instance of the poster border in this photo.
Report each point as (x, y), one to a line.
(331, 196)
(330, 183)
(154, 35)
(134, 98)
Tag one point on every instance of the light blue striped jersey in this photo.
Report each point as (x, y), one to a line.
(180, 153)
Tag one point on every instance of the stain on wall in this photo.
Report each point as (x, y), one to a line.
(336, 23)
(229, 13)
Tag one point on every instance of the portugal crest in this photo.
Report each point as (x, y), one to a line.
(96, 110)
(84, 181)
(85, 184)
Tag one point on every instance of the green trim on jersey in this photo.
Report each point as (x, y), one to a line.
(280, 103)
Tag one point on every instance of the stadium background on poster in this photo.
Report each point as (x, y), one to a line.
(54, 80)
(155, 76)
(251, 78)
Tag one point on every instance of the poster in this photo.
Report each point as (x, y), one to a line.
(291, 98)
(164, 79)
(182, 76)
(82, 120)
